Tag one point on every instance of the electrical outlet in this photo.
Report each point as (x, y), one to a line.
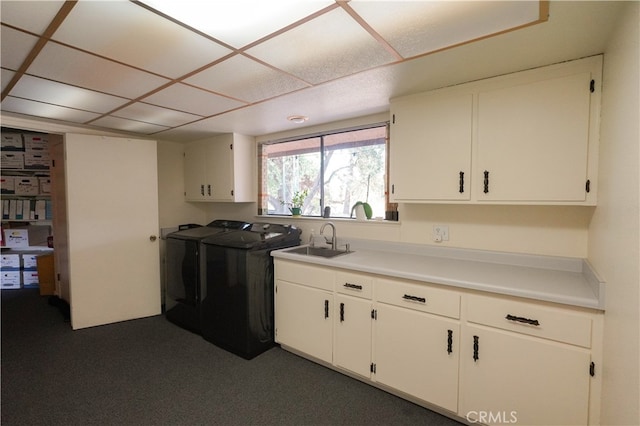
(440, 233)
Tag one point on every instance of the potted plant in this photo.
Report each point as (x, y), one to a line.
(297, 201)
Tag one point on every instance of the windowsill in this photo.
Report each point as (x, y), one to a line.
(332, 219)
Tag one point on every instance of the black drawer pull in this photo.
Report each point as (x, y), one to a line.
(414, 298)
(326, 309)
(486, 182)
(342, 312)
(522, 319)
(353, 286)
(449, 341)
(476, 348)
(461, 182)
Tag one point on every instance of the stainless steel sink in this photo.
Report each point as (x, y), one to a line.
(318, 251)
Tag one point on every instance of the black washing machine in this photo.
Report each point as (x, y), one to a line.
(237, 302)
(185, 269)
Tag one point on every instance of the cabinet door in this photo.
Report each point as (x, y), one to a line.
(352, 344)
(430, 150)
(195, 164)
(219, 185)
(418, 354)
(522, 379)
(303, 319)
(533, 141)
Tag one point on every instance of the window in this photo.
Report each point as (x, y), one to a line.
(335, 169)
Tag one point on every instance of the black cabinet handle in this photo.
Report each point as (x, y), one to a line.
(476, 348)
(209, 190)
(353, 286)
(486, 181)
(461, 182)
(202, 190)
(522, 319)
(326, 309)
(342, 312)
(449, 341)
(414, 298)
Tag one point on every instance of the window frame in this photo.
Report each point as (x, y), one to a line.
(262, 173)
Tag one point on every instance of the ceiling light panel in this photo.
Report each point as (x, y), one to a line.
(126, 125)
(189, 99)
(238, 22)
(16, 45)
(23, 15)
(245, 79)
(328, 47)
(126, 32)
(57, 62)
(41, 109)
(42, 90)
(417, 27)
(155, 114)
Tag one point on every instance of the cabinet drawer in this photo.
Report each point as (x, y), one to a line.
(303, 273)
(420, 297)
(530, 318)
(358, 285)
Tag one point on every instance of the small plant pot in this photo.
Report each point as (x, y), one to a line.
(295, 211)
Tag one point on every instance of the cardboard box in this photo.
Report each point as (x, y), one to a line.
(45, 185)
(10, 261)
(30, 278)
(12, 160)
(35, 142)
(36, 160)
(10, 279)
(29, 261)
(11, 142)
(16, 238)
(46, 274)
(27, 185)
(7, 185)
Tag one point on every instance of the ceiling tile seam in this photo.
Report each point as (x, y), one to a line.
(140, 121)
(168, 84)
(183, 25)
(289, 27)
(53, 26)
(373, 33)
(171, 109)
(274, 68)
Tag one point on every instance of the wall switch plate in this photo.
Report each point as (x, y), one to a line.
(440, 233)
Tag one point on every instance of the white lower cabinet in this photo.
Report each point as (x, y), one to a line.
(304, 309)
(417, 354)
(525, 363)
(488, 359)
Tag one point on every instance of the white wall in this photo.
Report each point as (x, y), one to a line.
(614, 241)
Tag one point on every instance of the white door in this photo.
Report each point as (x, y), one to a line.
(112, 217)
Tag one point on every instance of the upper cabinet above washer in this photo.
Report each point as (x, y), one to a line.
(532, 139)
(220, 169)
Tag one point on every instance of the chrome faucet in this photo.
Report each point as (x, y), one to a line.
(333, 240)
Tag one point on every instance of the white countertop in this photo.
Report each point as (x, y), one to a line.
(570, 281)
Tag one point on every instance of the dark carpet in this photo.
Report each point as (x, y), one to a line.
(151, 372)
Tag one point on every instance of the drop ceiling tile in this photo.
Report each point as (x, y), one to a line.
(126, 125)
(246, 79)
(45, 110)
(239, 22)
(67, 65)
(14, 47)
(129, 33)
(34, 16)
(42, 90)
(417, 27)
(330, 46)
(6, 77)
(155, 115)
(190, 99)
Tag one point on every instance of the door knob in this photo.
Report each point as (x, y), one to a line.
(153, 238)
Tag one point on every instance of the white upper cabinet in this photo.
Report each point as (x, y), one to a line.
(431, 147)
(525, 138)
(220, 169)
